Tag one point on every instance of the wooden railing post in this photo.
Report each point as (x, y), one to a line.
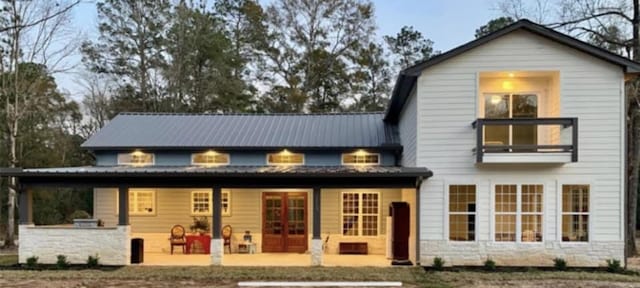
(574, 139)
(479, 142)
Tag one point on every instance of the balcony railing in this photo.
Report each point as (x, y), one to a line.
(523, 140)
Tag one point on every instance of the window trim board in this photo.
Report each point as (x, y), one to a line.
(446, 213)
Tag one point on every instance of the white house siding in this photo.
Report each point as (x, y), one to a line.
(590, 89)
(407, 127)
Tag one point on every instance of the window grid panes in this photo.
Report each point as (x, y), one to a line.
(462, 212)
(201, 203)
(208, 158)
(360, 213)
(575, 213)
(285, 158)
(135, 158)
(531, 198)
(142, 202)
(506, 212)
(360, 158)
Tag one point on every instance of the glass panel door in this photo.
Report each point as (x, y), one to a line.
(525, 106)
(496, 107)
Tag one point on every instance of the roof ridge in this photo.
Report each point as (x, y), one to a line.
(251, 114)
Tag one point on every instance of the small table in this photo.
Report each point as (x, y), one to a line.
(247, 248)
(204, 240)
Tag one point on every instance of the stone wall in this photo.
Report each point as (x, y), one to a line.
(589, 254)
(112, 244)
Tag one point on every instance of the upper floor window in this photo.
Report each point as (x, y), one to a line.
(209, 158)
(285, 158)
(360, 157)
(506, 106)
(136, 158)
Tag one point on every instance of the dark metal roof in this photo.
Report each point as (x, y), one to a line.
(227, 171)
(407, 78)
(237, 131)
(228, 177)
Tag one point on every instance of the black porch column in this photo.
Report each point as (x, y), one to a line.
(217, 213)
(123, 205)
(25, 206)
(316, 213)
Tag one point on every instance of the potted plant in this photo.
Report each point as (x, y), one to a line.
(200, 225)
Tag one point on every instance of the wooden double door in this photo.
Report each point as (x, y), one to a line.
(284, 222)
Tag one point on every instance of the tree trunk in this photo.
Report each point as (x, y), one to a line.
(633, 141)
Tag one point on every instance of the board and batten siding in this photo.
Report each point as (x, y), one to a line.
(173, 207)
(447, 104)
(407, 127)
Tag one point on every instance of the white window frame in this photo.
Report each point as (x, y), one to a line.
(193, 202)
(591, 212)
(285, 164)
(449, 213)
(133, 202)
(518, 212)
(153, 159)
(360, 214)
(510, 94)
(225, 198)
(360, 164)
(193, 157)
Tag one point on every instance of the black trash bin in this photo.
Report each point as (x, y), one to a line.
(137, 250)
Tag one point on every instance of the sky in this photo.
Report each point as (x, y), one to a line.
(448, 23)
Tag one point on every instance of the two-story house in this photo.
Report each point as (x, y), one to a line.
(524, 130)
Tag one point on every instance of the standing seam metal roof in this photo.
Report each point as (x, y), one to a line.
(170, 130)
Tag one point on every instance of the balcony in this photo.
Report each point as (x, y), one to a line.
(526, 140)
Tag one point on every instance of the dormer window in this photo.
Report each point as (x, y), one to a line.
(136, 158)
(361, 157)
(285, 157)
(210, 158)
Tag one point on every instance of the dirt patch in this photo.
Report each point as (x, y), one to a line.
(108, 283)
(556, 284)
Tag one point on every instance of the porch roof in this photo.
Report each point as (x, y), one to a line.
(229, 176)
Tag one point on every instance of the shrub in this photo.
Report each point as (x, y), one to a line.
(438, 263)
(32, 262)
(490, 265)
(62, 262)
(93, 261)
(613, 266)
(79, 214)
(560, 264)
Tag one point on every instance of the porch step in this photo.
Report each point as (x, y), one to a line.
(320, 284)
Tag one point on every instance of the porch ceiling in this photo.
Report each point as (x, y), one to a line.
(226, 176)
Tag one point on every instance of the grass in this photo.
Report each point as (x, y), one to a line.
(410, 276)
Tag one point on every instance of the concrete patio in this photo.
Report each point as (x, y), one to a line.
(264, 259)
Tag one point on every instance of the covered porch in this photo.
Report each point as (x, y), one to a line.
(326, 224)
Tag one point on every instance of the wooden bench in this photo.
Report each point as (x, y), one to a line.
(353, 248)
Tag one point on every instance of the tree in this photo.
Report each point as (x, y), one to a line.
(204, 73)
(372, 79)
(614, 26)
(408, 47)
(493, 25)
(130, 47)
(311, 47)
(28, 30)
